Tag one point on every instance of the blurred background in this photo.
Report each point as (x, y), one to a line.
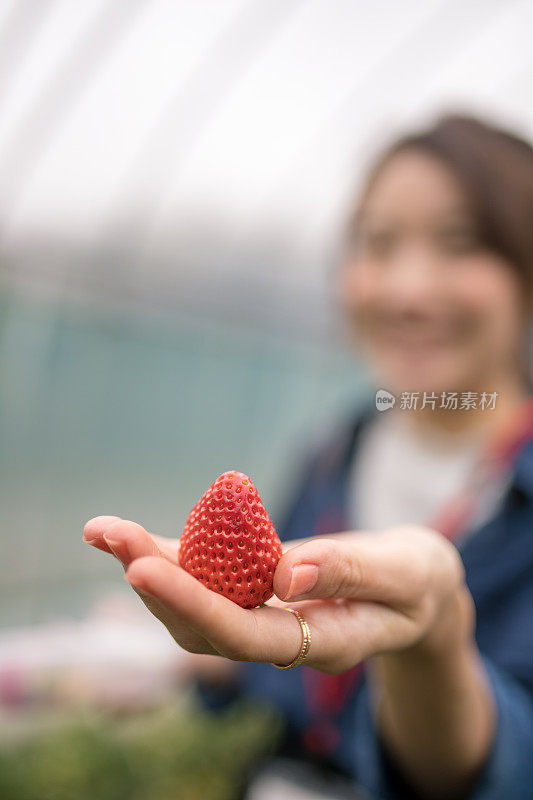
(174, 177)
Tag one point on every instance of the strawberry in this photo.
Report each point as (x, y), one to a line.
(229, 542)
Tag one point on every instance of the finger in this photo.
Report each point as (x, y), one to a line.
(128, 540)
(169, 547)
(341, 634)
(262, 634)
(393, 566)
(133, 542)
(94, 529)
(180, 631)
(187, 598)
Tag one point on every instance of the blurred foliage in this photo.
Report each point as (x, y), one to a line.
(170, 755)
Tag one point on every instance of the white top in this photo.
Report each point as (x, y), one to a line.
(401, 476)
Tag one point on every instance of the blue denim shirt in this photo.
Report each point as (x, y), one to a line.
(498, 559)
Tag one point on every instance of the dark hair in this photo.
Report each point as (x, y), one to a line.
(495, 168)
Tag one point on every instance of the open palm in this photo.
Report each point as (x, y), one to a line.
(373, 593)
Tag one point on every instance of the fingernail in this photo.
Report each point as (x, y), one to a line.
(89, 541)
(303, 579)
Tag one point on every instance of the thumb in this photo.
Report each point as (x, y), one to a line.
(321, 568)
(398, 566)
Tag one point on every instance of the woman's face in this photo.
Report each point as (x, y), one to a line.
(431, 307)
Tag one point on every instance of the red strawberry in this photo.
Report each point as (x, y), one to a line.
(229, 542)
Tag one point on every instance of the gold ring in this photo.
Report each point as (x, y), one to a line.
(306, 641)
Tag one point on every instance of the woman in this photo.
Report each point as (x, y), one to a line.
(406, 693)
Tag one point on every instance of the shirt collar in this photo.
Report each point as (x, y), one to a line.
(521, 468)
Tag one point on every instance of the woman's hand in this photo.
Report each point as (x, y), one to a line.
(362, 594)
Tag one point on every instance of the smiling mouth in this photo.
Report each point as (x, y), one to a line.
(418, 339)
(420, 333)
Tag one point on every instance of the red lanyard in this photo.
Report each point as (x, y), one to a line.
(495, 460)
(326, 695)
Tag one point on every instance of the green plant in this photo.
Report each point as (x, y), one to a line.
(168, 755)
